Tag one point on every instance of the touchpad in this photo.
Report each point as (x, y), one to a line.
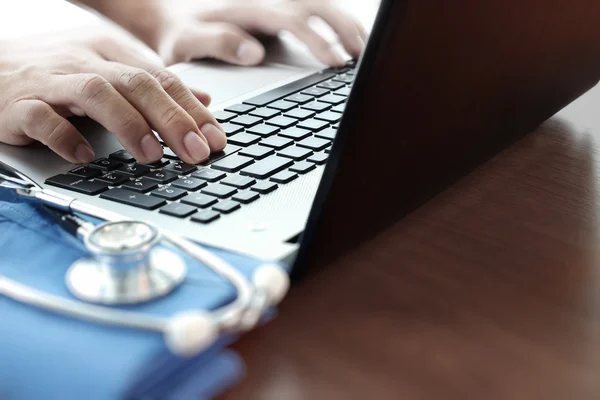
(227, 82)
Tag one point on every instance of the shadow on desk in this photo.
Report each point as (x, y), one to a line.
(489, 291)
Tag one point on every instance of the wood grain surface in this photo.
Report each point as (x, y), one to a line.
(489, 291)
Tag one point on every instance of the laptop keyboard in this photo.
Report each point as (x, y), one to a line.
(273, 138)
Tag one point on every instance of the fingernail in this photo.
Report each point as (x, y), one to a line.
(216, 137)
(151, 148)
(337, 61)
(84, 154)
(196, 147)
(250, 53)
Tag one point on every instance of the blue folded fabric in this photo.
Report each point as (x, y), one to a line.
(45, 355)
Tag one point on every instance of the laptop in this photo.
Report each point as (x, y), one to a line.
(320, 161)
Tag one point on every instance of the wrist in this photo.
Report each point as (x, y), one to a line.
(148, 20)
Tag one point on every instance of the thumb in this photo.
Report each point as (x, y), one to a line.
(221, 41)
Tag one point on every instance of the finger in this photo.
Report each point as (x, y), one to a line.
(343, 24)
(174, 125)
(203, 97)
(209, 126)
(136, 56)
(125, 52)
(317, 45)
(272, 21)
(222, 41)
(99, 100)
(37, 120)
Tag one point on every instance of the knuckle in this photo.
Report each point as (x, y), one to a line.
(35, 114)
(227, 41)
(165, 78)
(133, 123)
(171, 114)
(136, 80)
(58, 134)
(93, 86)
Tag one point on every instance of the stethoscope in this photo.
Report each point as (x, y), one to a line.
(133, 262)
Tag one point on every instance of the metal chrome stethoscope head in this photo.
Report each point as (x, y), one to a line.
(127, 265)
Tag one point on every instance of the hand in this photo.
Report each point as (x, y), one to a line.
(181, 30)
(110, 80)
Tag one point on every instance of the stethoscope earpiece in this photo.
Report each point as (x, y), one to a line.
(189, 333)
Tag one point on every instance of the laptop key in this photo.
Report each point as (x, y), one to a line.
(313, 125)
(340, 108)
(284, 177)
(86, 172)
(162, 176)
(123, 156)
(226, 152)
(77, 184)
(169, 193)
(142, 185)
(331, 85)
(333, 99)
(206, 217)
(189, 184)
(178, 210)
(295, 133)
(199, 200)
(302, 167)
(264, 187)
(181, 168)
(244, 139)
(209, 175)
(263, 130)
(231, 129)
(329, 116)
(240, 108)
(224, 116)
(107, 164)
(265, 112)
(170, 154)
(315, 91)
(227, 206)
(276, 142)
(328, 134)
(134, 199)
(345, 91)
(114, 178)
(267, 167)
(295, 153)
(318, 158)
(299, 98)
(344, 78)
(257, 152)
(290, 88)
(246, 197)
(313, 143)
(317, 106)
(220, 191)
(246, 120)
(157, 164)
(233, 163)
(134, 170)
(282, 105)
(282, 122)
(239, 182)
(299, 113)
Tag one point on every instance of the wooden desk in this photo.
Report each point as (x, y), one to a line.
(490, 291)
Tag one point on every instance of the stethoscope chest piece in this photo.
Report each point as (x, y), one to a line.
(127, 266)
